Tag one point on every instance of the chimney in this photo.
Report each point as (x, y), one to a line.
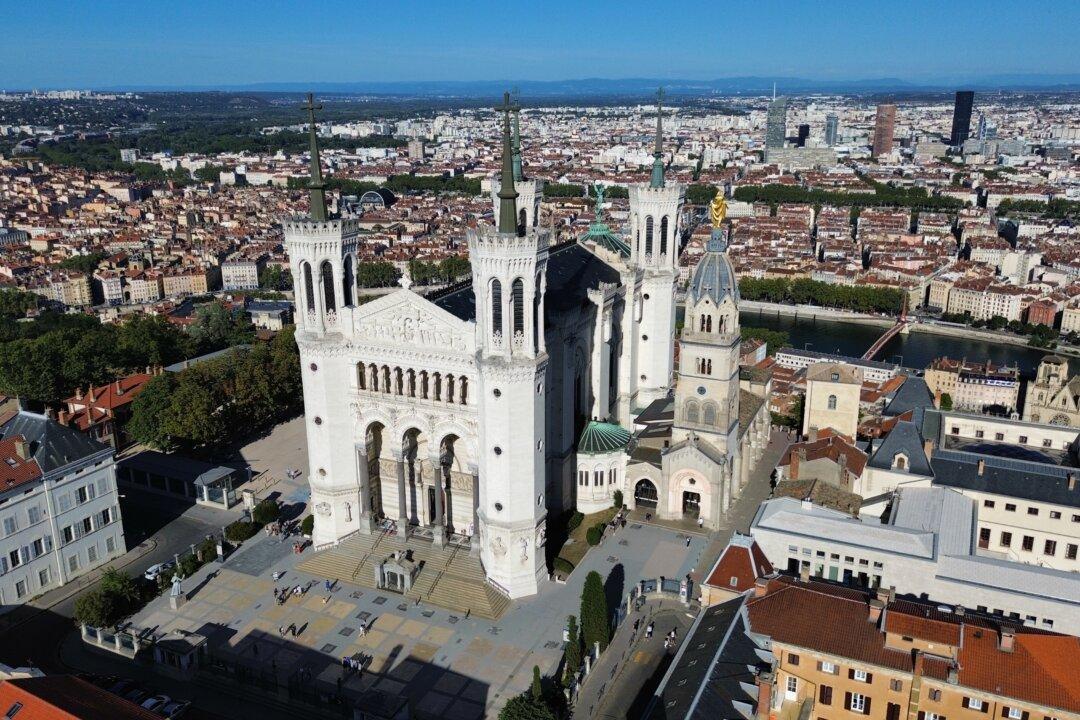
(1007, 640)
(982, 467)
(22, 449)
(78, 393)
(886, 595)
(90, 394)
(959, 611)
(804, 573)
(119, 388)
(919, 663)
(876, 608)
(764, 683)
(793, 466)
(928, 447)
(954, 675)
(761, 586)
(1072, 481)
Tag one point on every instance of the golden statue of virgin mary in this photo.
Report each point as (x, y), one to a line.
(717, 209)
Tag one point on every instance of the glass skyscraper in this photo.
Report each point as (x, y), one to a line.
(776, 123)
(832, 126)
(961, 117)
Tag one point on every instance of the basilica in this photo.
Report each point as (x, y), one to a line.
(545, 385)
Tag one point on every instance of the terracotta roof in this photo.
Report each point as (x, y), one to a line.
(16, 467)
(740, 565)
(66, 697)
(1040, 669)
(111, 396)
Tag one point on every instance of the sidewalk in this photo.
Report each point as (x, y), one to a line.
(629, 662)
(42, 603)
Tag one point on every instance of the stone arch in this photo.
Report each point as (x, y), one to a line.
(832, 402)
(374, 435)
(690, 495)
(326, 278)
(399, 381)
(348, 281)
(645, 493)
(361, 376)
(373, 372)
(415, 451)
(523, 221)
(691, 412)
(424, 384)
(436, 386)
(386, 388)
(708, 415)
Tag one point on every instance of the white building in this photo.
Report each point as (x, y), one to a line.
(241, 273)
(926, 547)
(59, 512)
(462, 414)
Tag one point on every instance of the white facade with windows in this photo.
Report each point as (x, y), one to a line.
(62, 523)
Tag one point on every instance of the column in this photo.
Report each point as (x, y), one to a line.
(363, 476)
(474, 541)
(403, 518)
(439, 522)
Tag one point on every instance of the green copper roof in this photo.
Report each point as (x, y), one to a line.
(601, 234)
(657, 179)
(316, 186)
(600, 437)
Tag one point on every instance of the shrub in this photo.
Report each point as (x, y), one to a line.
(617, 499)
(563, 565)
(241, 530)
(574, 521)
(96, 609)
(594, 612)
(307, 526)
(595, 534)
(267, 511)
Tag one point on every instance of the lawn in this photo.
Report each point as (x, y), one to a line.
(576, 546)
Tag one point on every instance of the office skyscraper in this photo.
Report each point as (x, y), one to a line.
(883, 130)
(961, 117)
(832, 127)
(804, 133)
(776, 123)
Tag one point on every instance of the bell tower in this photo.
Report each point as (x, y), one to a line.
(655, 208)
(529, 191)
(322, 257)
(509, 267)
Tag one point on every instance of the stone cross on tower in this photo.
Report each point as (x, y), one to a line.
(316, 186)
(508, 220)
(657, 179)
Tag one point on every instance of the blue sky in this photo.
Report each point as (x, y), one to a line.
(101, 43)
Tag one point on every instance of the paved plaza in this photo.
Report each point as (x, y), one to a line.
(448, 664)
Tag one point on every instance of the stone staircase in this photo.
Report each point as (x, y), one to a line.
(449, 576)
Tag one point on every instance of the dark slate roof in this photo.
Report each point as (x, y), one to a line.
(912, 394)
(269, 305)
(714, 276)
(712, 675)
(51, 444)
(571, 271)
(1023, 479)
(904, 438)
(659, 410)
(600, 437)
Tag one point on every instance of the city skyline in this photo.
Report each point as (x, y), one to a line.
(200, 45)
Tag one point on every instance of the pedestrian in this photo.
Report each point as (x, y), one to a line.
(700, 523)
(687, 541)
(281, 631)
(674, 633)
(345, 661)
(648, 630)
(327, 585)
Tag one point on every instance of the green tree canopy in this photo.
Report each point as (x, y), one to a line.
(594, 612)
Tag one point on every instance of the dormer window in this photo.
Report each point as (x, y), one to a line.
(900, 462)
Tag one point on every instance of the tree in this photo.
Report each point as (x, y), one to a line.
(150, 412)
(216, 327)
(700, 194)
(210, 173)
(526, 707)
(273, 277)
(617, 499)
(96, 609)
(537, 689)
(594, 612)
(946, 401)
(15, 303)
(376, 274)
(572, 652)
(120, 586)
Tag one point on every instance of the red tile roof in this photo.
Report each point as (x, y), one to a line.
(739, 566)
(17, 465)
(66, 697)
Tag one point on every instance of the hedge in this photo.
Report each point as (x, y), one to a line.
(266, 512)
(307, 525)
(574, 521)
(595, 534)
(561, 564)
(241, 530)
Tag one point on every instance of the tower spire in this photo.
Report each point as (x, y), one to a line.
(316, 186)
(657, 179)
(508, 222)
(518, 174)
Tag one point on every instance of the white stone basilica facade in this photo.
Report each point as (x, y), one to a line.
(545, 385)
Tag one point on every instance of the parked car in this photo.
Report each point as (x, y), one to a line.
(136, 694)
(161, 568)
(120, 686)
(172, 710)
(155, 702)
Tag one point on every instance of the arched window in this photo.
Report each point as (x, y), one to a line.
(386, 379)
(710, 414)
(900, 461)
(708, 324)
(449, 388)
(523, 219)
(708, 367)
(348, 282)
(496, 307)
(309, 289)
(398, 381)
(537, 322)
(663, 235)
(374, 373)
(424, 384)
(832, 402)
(327, 273)
(702, 328)
(517, 300)
(438, 387)
(464, 391)
(692, 412)
(648, 235)
(411, 382)
(361, 376)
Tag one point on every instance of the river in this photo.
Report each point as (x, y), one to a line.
(914, 350)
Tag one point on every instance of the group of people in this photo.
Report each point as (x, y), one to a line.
(619, 521)
(282, 594)
(290, 630)
(353, 663)
(669, 639)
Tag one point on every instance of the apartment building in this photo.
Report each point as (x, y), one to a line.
(973, 386)
(143, 287)
(71, 290)
(832, 398)
(109, 285)
(242, 273)
(59, 511)
(926, 545)
(186, 281)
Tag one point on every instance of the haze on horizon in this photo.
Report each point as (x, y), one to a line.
(211, 44)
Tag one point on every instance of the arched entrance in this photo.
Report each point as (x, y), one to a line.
(691, 504)
(372, 451)
(645, 494)
(413, 447)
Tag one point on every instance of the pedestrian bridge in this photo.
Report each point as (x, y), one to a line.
(884, 339)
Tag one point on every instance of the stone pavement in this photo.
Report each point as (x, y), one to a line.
(628, 668)
(450, 664)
